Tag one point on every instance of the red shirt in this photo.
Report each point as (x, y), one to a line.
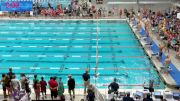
(53, 84)
(43, 85)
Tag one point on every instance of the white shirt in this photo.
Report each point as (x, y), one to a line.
(15, 83)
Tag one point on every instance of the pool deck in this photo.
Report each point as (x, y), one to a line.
(168, 79)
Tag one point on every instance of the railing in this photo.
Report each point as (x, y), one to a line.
(98, 95)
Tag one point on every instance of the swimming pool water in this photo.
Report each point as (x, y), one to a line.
(62, 47)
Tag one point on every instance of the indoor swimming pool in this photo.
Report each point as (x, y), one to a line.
(107, 48)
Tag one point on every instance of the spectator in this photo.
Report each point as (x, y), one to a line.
(23, 79)
(43, 87)
(127, 98)
(35, 80)
(90, 94)
(60, 88)
(15, 87)
(37, 89)
(27, 88)
(10, 73)
(113, 87)
(15, 83)
(151, 86)
(9, 77)
(4, 85)
(8, 85)
(86, 78)
(148, 98)
(53, 87)
(71, 86)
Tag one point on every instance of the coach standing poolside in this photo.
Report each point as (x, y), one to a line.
(86, 78)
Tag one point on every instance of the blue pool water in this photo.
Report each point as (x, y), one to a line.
(62, 47)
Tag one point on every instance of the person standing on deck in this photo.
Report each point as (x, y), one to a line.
(43, 87)
(86, 78)
(160, 51)
(60, 89)
(4, 85)
(167, 64)
(71, 86)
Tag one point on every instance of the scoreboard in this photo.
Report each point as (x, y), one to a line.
(19, 6)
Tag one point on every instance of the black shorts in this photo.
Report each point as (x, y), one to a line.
(7, 85)
(54, 94)
(4, 88)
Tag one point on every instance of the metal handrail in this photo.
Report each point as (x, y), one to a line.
(98, 94)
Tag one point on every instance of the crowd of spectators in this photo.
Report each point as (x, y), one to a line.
(165, 25)
(74, 9)
(17, 88)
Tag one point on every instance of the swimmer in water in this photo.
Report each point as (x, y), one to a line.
(126, 75)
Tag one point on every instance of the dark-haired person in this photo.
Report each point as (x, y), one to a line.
(71, 86)
(113, 87)
(3, 85)
(127, 97)
(148, 98)
(43, 87)
(53, 87)
(86, 79)
(10, 73)
(35, 80)
(22, 80)
(9, 77)
(37, 89)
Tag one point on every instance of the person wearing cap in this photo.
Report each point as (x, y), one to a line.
(71, 86)
(86, 78)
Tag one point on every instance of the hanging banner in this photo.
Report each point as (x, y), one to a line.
(18, 6)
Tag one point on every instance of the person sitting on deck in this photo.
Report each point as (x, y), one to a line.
(113, 87)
